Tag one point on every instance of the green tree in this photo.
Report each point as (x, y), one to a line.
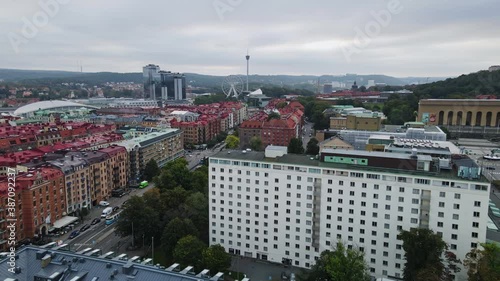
(295, 146)
(423, 253)
(189, 251)
(273, 115)
(132, 219)
(216, 259)
(199, 181)
(312, 147)
(282, 104)
(256, 143)
(338, 265)
(197, 210)
(174, 231)
(173, 174)
(232, 142)
(483, 264)
(151, 170)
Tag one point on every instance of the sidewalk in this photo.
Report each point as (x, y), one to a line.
(260, 270)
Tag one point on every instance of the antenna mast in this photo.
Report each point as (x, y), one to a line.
(248, 66)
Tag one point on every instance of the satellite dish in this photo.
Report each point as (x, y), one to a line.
(232, 86)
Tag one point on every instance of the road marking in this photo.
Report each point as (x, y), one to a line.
(92, 237)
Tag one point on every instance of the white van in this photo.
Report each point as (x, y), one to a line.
(106, 212)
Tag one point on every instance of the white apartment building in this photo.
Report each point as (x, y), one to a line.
(289, 208)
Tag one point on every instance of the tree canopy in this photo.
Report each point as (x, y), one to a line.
(338, 265)
(423, 253)
(232, 141)
(255, 143)
(312, 147)
(151, 170)
(295, 146)
(174, 231)
(483, 264)
(216, 259)
(189, 252)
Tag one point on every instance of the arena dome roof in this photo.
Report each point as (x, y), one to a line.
(31, 108)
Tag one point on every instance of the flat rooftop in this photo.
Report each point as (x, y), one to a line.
(304, 160)
(72, 265)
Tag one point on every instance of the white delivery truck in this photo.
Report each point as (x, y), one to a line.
(106, 212)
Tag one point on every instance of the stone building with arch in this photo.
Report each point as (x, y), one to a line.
(460, 112)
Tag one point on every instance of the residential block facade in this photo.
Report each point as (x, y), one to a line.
(288, 208)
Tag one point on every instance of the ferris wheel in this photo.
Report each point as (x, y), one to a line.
(232, 86)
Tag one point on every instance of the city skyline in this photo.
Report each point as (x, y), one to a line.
(393, 37)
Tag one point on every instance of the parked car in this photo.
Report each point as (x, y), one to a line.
(95, 221)
(104, 203)
(115, 208)
(85, 227)
(74, 234)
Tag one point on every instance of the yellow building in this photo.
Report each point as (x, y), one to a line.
(363, 123)
(338, 123)
(460, 112)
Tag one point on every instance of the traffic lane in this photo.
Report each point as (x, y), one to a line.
(96, 212)
(83, 236)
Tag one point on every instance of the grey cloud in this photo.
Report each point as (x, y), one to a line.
(428, 38)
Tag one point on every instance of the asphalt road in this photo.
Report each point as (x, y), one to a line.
(307, 130)
(194, 156)
(97, 233)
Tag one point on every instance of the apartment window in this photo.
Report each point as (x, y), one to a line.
(441, 214)
(441, 204)
(440, 224)
(476, 214)
(477, 204)
(457, 196)
(454, 226)
(401, 189)
(475, 224)
(454, 236)
(416, 191)
(455, 216)
(442, 194)
(475, 235)
(414, 201)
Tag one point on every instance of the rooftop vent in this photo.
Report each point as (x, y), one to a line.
(127, 268)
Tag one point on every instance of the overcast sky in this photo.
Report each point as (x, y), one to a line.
(419, 38)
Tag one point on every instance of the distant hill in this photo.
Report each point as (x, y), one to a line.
(18, 74)
(200, 80)
(465, 86)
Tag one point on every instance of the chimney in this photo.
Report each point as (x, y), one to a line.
(46, 260)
